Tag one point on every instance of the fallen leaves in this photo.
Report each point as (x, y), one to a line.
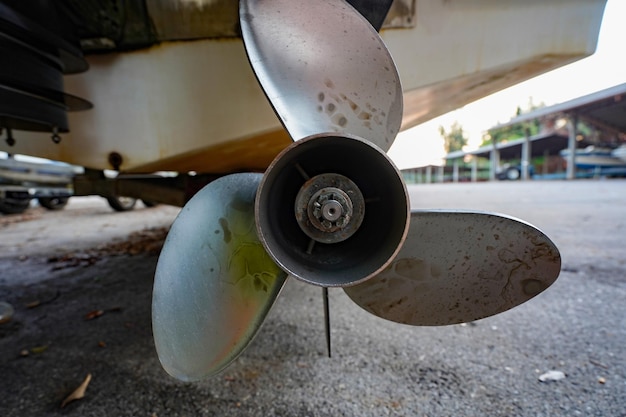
(94, 314)
(34, 350)
(39, 349)
(7, 220)
(38, 303)
(147, 241)
(73, 260)
(78, 393)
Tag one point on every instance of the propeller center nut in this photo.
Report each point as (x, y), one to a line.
(329, 208)
(332, 210)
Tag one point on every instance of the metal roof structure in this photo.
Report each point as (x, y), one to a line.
(605, 109)
(550, 143)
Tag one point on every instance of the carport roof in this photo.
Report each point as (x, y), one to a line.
(551, 142)
(606, 109)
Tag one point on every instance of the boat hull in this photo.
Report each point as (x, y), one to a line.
(592, 158)
(196, 105)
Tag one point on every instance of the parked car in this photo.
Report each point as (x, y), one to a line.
(51, 183)
(23, 179)
(510, 172)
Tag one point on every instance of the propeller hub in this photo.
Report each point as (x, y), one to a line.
(311, 210)
(333, 210)
(329, 208)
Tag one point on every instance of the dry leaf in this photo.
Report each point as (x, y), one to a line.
(39, 349)
(37, 303)
(78, 392)
(94, 314)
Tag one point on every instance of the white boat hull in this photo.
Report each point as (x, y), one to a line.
(196, 105)
(591, 158)
(620, 153)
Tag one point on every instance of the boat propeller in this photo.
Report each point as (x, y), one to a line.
(331, 210)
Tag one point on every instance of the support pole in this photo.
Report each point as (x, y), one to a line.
(474, 168)
(494, 160)
(526, 152)
(572, 125)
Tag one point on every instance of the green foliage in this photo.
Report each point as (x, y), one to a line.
(585, 129)
(515, 131)
(454, 139)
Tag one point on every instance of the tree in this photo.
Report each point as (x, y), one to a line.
(517, 130)
(454, 139)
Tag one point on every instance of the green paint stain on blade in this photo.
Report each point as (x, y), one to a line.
(250, 268)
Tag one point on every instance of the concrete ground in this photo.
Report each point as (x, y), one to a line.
(80, 281)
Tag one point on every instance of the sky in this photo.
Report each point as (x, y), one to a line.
(423, 145)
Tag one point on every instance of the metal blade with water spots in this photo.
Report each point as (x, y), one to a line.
(458, 267)
(214, 282)
(324, 68)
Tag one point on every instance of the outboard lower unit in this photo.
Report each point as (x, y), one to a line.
(38, 51)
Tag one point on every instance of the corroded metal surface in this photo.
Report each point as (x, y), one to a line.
(196, 105)
(380, 234)
(324, 69)
(128, 24)
(329, 208)
(214, 282)
(460, 266)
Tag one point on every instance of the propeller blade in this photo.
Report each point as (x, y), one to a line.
(324, 68)
(214, 282)
(460, 266)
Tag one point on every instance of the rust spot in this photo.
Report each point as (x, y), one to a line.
(340, 120)
(532, 287)
(404, 267)
(411, 268)
(353, 106)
